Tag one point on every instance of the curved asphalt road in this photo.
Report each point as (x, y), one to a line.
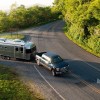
(82, 83)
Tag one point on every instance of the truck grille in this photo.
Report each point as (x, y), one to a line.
(63, 69)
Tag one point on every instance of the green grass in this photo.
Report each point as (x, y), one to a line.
(82, 45)
(12, 36)
(11, 88)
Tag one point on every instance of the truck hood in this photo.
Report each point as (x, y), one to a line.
(60, 64)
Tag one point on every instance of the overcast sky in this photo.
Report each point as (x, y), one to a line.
(5, 4)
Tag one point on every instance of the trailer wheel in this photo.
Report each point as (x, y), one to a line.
(5, 57)
(53, 73)
(8, 58)
(2, 56)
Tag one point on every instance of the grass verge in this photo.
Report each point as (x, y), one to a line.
(12, 36)
(11, 88)
(83, 46)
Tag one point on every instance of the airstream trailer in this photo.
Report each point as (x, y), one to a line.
(17, 49)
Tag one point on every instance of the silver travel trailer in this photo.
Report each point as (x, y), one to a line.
(17, 49)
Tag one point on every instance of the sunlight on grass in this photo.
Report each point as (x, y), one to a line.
(83, 46)
(11, 88)
(12, 36)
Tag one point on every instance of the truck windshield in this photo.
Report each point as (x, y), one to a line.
(56, 59)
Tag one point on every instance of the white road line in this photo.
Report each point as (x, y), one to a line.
(92, 66)
(85, 63)
(50, 84)
(89, 64)
(88, 84)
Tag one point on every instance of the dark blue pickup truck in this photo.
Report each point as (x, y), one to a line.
(53, 62)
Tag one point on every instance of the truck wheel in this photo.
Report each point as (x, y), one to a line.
(53, 73)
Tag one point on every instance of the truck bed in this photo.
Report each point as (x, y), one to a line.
(40, 54)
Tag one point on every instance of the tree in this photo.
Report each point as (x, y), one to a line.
(82, 19)
(3, 21)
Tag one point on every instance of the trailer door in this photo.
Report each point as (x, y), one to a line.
(16, 52)
(19, 52)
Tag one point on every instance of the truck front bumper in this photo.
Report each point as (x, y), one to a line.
(62, 71)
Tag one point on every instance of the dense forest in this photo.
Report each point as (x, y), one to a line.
(22, 17)
(82, 19)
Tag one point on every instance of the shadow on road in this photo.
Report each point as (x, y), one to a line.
(77, 67)
(88, 71)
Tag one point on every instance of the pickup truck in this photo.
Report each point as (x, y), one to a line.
(53, 62)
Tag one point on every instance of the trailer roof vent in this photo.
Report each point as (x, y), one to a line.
(2, 39)
(18, 40)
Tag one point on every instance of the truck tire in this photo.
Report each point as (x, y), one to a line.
(53, 73)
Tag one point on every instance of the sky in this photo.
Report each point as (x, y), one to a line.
(5, 4)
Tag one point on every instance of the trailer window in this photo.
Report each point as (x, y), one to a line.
(21, 49)
(28, 51)
(16, 48)
(31, 50)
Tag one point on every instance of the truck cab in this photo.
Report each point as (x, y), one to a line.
(52, 62)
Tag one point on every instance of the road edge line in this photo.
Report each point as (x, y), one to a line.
(49, 84)
(88, 84)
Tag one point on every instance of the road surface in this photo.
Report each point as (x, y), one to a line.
(83, 81)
